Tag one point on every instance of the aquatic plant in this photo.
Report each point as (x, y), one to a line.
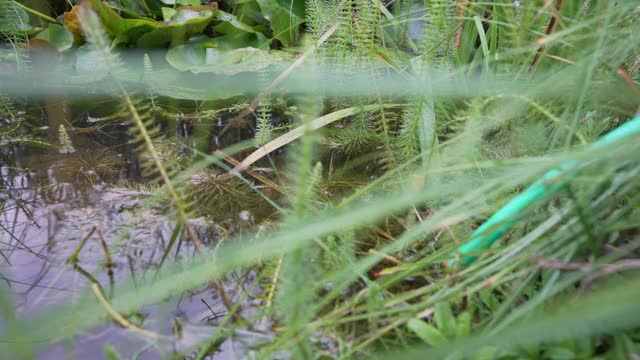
(66, 146)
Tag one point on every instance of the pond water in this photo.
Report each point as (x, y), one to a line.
(51, 201)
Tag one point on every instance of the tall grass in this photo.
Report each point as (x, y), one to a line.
(493, 98)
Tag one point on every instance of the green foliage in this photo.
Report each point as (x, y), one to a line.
(285, 17)
(300, 268)
(426, 332)
(14, 23)
(263, 122)
(144, 32)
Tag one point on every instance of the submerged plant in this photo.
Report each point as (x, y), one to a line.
(222, 196)
(66, 146)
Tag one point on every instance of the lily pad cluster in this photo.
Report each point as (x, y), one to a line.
(197, 36)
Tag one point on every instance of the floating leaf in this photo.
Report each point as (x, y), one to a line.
(198, 58)
(181, 2)
(237, 34)
(57, 36)
(284, 19)
(188, 2)
(167, 13)
(187, 21)
(182, 23)
(198, 87)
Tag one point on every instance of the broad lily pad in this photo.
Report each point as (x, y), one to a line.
(199, 59)
(237, 34)
(284, 17)
(181, 2)
(57, 36)
(167, 13)
(185, 22)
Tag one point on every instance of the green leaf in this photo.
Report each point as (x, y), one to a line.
(180, 27)
(284, 21)
(485, 353)
(233, 21)
(426, 332)
(444, 319)
(237, 34)
(463, 325)
(57, 36)
(185, 57)
(198, 59)
(181, 2)
(167, 13)
(560, 353)
(110, 353)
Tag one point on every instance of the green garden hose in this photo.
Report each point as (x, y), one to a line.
(501, 221)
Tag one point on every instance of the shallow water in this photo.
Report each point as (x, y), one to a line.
(45, 213)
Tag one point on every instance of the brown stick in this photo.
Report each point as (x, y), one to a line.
(458, 38)
(550, 28)
(559, 265)
(626, 77)
(95, 228)
(622, 265)
(105, 247)
(253, 174)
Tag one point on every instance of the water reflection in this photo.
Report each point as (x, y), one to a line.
(49, 202)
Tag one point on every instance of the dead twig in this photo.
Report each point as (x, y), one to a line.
(622, 265)
(76, 253)
(550, 28)
(624, 74)
(559, 265)
(253, 174)
(460, 22)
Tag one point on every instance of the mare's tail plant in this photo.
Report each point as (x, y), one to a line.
(299, 268)
(143, 127)
(11, 25)
(419, 128)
